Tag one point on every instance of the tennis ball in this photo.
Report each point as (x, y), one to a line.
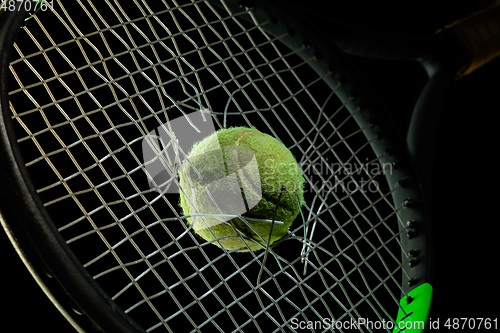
(240, 171)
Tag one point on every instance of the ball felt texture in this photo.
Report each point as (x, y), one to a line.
(240, 170)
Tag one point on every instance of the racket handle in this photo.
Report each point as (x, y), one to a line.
(480, 34)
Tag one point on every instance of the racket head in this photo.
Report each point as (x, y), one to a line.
(76, 290)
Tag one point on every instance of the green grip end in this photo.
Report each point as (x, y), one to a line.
(414, 310)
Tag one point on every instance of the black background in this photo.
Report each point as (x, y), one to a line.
(465, 223)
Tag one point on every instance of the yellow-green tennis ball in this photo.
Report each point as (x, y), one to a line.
(242, 172)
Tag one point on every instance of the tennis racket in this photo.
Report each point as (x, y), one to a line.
(86, 90)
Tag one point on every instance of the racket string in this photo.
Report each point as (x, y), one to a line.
(87, 144)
